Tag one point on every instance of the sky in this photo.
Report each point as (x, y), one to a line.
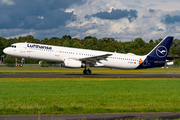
(123, 20)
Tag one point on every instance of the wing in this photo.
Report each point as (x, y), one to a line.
(94, 59)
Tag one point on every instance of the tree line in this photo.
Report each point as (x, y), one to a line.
(137, 46)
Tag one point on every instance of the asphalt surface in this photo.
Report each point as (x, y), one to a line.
(94, 116)
(98, 75)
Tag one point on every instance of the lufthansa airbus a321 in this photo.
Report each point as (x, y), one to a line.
(77, 58)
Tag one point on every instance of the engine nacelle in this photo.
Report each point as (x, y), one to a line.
(71, 63)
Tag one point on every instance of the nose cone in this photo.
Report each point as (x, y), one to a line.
(5, 50)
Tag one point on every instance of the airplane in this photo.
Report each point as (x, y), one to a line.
(78, 58)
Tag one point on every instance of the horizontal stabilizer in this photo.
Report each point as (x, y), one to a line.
(171, 57)
(167, 62)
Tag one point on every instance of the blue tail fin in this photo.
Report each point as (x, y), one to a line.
(157, 57)
(160, 52)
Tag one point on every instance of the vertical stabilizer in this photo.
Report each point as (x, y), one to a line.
(161, 51)
(157, 57)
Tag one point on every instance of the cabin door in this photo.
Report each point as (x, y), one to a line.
(57, 53)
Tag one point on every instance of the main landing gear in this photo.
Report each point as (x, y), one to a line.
(87, 71)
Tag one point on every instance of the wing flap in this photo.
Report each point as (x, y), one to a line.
(94, 59)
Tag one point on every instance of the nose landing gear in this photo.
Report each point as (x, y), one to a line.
(22, 61)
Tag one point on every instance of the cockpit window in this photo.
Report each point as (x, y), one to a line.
(13, 46)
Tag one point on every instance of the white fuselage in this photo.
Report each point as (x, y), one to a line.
(59, 54)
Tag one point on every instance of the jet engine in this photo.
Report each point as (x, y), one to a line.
(72, 63)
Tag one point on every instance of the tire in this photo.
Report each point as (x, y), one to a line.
(85, 72)
(88, 72)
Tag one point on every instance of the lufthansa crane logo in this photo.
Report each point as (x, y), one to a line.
(161, 51)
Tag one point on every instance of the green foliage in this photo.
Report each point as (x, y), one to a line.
(158, 41)
(91, 44)
(66, 43)
(151, 41)
(139, 41)
(175, 47)
(29, 61)
(10, 61)
(77, 44)
(67, 37)
(120, 48)
(177, 62)
(44, 64)
(1, 48)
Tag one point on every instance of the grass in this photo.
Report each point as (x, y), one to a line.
(94, 70)
(88, 95)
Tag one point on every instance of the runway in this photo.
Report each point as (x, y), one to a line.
(95, 75)
(112, 116)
